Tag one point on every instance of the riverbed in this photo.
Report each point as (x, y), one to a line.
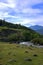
(31, 44)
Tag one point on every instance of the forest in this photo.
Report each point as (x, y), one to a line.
(10, 32)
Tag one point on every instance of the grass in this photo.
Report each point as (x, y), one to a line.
(14, 54)
(4, 27)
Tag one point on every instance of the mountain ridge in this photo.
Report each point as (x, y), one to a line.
(37, 28)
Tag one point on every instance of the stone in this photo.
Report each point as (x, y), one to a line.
(28, 59)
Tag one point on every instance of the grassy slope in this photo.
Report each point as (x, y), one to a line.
(8, 33)
(15, 51)
(16, 32)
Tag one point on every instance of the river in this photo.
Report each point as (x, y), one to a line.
(31, 44)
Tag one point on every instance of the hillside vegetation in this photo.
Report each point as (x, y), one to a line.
(16, 33)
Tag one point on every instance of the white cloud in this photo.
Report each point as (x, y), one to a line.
(11, 3)
(4, 15)
(31, 11)
(31, 21)
(22, 9)
(4, 5)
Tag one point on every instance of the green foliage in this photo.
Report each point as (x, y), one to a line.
(26, 35)
(37, 41)
(11, 25)
(16, 33)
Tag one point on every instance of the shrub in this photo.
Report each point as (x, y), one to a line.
(37, 41)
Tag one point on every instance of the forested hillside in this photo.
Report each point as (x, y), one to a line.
(16, 33)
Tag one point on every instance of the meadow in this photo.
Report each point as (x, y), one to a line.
(15, 54)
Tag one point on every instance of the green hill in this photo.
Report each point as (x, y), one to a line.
(10, 32)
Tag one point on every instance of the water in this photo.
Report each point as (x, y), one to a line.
(26, 43)
(29, 43)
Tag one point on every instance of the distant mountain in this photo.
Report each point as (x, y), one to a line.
(37, 28)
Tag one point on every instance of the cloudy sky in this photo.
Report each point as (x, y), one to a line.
(25, 12)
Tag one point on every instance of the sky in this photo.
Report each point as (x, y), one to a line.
(24, 12)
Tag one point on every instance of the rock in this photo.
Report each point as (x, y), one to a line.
(26, 51)
(28, 59)
(35, 55)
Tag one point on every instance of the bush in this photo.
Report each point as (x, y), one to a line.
(37, 41)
